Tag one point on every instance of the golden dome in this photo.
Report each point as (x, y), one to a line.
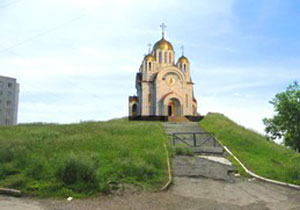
(149, 57)
(183, 59)
(163, 45)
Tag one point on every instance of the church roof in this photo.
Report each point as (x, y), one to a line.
(163, 45)
(133, 98)
(149, 57)
(183, 59)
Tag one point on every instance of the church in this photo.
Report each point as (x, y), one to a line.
(164, 86)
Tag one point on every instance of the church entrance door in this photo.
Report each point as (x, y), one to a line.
(171, 109)
(174, 107)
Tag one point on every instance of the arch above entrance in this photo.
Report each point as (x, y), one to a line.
(174, 70)
(171, 105)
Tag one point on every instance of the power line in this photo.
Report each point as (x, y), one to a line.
(42, 33)
(11, 52)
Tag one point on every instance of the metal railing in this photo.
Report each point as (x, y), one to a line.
(194, 139)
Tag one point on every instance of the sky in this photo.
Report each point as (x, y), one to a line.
(76, 60)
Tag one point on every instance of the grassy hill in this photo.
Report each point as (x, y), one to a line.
(82, 159)
(94, 157)
(258, 155)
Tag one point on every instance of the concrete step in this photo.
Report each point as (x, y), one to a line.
(177, 119)
(201, 167)
(208, 150)
(181, 127)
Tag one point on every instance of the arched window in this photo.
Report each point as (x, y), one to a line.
(166, 57)
(149, 99)
(170, 57)
(134, 110)
(160, 57)
(150, 66)
(184, 67)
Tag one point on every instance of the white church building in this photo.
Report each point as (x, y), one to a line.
(164, 85)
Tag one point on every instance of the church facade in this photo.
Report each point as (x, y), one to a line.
(164, 86)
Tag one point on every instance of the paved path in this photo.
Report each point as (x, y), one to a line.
(210, 179)
(196, 166)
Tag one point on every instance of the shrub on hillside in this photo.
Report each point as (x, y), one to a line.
(79, 172)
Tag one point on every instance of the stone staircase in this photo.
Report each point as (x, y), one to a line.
(208, 144)
(171, 127)
(177, 119)
(197, 165)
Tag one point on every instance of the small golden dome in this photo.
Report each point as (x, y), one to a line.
(149, 57)
(163, 45)
(183, 59)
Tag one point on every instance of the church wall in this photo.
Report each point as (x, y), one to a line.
(139, 101)
(158, 89)
(147, 98)
(144, 104)
(188, 103)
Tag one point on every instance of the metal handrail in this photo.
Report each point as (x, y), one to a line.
(175, 136)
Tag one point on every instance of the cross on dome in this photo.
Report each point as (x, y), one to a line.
(163, 27)
(149, 47)
(182, 50)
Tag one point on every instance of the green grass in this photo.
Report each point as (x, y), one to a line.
(183, 150)
(83, 159)
(263, 157)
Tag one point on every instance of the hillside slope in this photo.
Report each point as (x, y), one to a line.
(82, 159)
(263, 157)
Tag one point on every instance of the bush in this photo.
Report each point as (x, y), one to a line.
(79, 172)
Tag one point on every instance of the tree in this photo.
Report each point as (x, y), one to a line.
(285, 123)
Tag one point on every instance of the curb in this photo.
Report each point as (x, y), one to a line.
(166, 186)
(294, 186)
